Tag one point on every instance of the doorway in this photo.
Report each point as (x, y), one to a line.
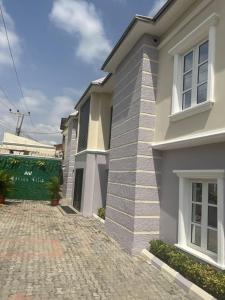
(78, 189)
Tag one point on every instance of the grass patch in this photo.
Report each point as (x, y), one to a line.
(203, 275)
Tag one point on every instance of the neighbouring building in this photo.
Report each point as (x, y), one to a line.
(69, 146)
(59, 150)
(166, 161)
(92, 155)
(13, 144)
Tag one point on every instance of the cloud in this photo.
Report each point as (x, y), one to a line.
(81, 20)
(46, 117)
(14, 39)
(156, 7)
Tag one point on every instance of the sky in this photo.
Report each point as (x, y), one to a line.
(58, 47)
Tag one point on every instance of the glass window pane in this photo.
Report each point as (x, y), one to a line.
(188, 62)
(187, 81)
(186, 101)
(196, 235)
(203, 52)
(212, 240)
(212, 216)
(202, 93)
(212, 190)
(203, 73)
(196, 192)
(196, 213)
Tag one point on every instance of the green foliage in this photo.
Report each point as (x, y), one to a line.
(101, 212)
(14, 162)
(54, 189)
(6, 183)
(41, 164)
(205, 276)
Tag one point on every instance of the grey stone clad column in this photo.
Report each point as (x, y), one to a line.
(132, 214)
(71, 160)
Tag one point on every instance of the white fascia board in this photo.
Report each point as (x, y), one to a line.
(209, 137)
(203, 174)
(194, 36)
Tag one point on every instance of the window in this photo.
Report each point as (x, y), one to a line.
(195, 76)
(201, 214)
(83, 126)
(203, 221)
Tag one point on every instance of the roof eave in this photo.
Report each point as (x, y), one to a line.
(137, 18)
(89, 89)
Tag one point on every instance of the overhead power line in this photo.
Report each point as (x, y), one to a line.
(7, 98)
(5, 104)
(13, 63)
(6, 126)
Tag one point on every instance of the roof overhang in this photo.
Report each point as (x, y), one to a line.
(98, 86)
(140, 25)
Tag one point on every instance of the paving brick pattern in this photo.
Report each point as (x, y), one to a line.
(45, 255)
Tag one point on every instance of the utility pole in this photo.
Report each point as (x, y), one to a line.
(20, 118)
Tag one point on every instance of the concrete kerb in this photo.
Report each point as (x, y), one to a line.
(99, 219)
(187, 285)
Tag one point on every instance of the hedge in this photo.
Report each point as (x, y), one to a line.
(203, 275)
(101, 213)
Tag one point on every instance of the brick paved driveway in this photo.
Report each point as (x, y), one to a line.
(47, 255)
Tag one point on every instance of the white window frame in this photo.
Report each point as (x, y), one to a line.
(194, 70)
(186, 177)
(205, 31)
(204, 226)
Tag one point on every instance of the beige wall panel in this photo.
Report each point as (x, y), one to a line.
(210, 120)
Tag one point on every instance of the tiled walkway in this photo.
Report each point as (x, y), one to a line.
(47, 255)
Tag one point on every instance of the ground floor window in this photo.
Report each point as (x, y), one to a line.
(203, 221)
(201, 214)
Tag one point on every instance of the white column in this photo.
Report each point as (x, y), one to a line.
(211, 59)
(220, 235)
(181, 217)
(176, 81)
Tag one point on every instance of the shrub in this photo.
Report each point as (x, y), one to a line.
(6, 183)
(101, 213)
(54, 189)
(205, 276)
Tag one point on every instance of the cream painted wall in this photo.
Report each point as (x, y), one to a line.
(99, 122)
(210, 120)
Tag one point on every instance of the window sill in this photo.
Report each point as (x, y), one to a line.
(206, 258)
(194, 110)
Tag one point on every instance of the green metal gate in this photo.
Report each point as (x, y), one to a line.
(29, 175)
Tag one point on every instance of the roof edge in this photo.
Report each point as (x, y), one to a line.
(132, 24)
(90, 86)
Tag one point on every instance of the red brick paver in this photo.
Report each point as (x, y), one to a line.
(45, 255)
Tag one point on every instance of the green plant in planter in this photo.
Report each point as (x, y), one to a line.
(6, 185)
(54, 189)
(101, 213)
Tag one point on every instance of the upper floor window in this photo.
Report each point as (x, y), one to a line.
(195, 76)
(83, 126)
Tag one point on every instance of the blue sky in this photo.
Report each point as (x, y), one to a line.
(58, 46)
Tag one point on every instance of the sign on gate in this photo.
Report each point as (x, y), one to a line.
(29, 175)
